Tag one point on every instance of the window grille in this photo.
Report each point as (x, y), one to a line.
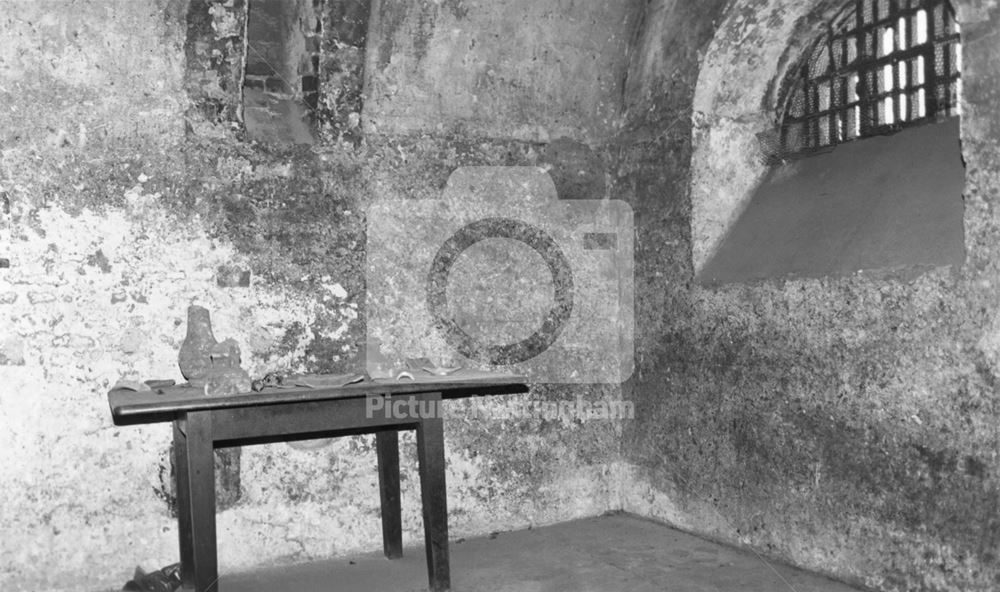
(880, 66)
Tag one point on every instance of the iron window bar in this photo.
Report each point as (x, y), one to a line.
(880, 66)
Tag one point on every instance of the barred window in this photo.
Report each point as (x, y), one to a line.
(880, 66)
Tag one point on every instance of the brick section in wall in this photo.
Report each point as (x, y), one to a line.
(281, 84)
(214, 52)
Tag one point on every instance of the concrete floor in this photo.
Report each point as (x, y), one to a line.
(604, 554)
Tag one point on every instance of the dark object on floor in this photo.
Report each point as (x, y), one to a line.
(167, 579)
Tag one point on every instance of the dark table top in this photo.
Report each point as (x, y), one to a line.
(164, 404)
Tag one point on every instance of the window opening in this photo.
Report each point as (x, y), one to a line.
(880, 66)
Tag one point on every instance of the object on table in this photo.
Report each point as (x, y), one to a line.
(269, 380)
(328, 380)
(441, 370)
(224, 382)
(163, 580)
(143, 386)
(207, 363)
(418, 363)
(131, 385)
(428, 366)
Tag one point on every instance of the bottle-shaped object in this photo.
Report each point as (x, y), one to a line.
(195, 358)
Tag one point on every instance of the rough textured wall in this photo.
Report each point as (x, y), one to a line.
(214, 56)
(846, 424)
(734, 100)
(342, 65)
(526, 70)
(120, 205)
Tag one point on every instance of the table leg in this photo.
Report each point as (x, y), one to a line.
(387, 446)
(430, 452)
(195, 466)
(182, 480)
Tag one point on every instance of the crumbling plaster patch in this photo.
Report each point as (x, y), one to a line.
(73, 349)
(59, 86)
(506, 70)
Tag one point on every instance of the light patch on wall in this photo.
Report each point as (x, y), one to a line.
(68, 334)
(727, 114)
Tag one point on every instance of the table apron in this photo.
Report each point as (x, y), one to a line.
(312, 417)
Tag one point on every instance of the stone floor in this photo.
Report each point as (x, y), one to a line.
(604, 554)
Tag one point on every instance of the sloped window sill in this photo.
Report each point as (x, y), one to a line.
(887, 202)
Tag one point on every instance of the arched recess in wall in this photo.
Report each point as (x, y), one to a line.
(290, 71)
(739, 87)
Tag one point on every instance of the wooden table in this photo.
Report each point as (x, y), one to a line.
(203, 423)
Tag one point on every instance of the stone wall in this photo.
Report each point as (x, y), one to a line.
(533, 71)
(848, 424)
(129, 192)
(845, 424)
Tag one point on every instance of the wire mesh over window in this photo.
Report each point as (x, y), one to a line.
(881, 66)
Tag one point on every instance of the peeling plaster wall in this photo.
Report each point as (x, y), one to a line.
(525, 70)
(848, 425)
(132, 195)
